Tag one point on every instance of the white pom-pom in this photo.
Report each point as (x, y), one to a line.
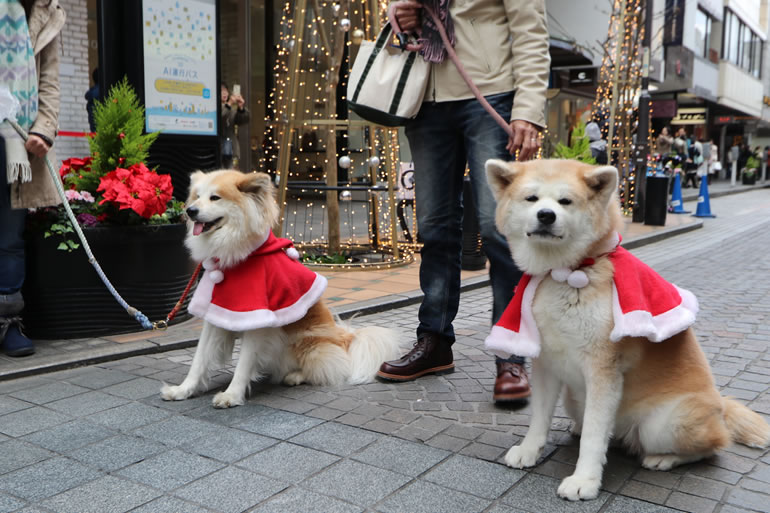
(577, 279)
(210, 264)
(216, 276)
(292, 253)
(560, 274)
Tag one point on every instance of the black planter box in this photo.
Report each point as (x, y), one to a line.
(148, 265)
(749, 180)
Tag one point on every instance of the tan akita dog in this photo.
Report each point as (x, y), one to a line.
(652, 391)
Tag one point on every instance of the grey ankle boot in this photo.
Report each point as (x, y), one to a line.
(11, 304)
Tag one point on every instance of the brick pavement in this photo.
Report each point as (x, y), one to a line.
(99, 438)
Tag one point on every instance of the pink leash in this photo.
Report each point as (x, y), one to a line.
(452, 55)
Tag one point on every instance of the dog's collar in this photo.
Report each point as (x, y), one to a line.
(577, 278)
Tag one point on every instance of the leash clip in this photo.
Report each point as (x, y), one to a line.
(403, 40)
(160, 325)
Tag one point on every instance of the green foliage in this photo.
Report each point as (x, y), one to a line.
(579, 148)
(752, 163)
(119, 139)
(336, 258)
(63, 230)
(174, 213)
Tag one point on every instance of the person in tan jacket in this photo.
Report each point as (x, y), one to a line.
(503, 45)
(37, 66)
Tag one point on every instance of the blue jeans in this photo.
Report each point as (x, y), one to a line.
(443, 138)
(11, 236)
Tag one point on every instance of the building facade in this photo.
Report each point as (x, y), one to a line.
(709, 67)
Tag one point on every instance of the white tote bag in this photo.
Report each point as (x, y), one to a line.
(387, 84)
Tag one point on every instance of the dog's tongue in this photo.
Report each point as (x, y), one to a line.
(198, 228)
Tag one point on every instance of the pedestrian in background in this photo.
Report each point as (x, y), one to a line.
(663, 142)
(503, 45)
(680, 144)
(693, 162)
(596, 142)
(234, 113)
(91, 96)
(716, 164)
(29, 39)
(705, 161)
(743, 158)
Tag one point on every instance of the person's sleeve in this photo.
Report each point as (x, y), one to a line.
(241, 116)
(531, 60)
(227, 113)
(47, 122)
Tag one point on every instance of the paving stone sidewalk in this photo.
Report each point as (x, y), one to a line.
(99, 439)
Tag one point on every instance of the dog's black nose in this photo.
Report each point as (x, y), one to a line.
(546, 216)
(192, 212)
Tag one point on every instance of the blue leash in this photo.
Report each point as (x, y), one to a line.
(136, 314)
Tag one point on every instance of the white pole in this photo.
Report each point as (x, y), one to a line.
(733, 173)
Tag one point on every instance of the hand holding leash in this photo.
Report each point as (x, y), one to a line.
(525, 139)
(407, 15)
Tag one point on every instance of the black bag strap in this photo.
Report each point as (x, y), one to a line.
(385, 35)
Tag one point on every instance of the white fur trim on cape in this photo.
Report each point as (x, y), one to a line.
(656, 329)
(503, 342)
(201, 306)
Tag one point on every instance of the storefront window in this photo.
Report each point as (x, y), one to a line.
(702, 33)
(746, 48)
(740, 45)
(734, 41)
(248, 30)
(756, 68)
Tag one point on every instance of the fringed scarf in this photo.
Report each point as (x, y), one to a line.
(18, 74)
(433, 47)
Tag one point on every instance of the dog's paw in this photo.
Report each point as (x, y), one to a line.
(575, 488)
(294, 378)
(175, 393)
(227, 400)
(519, 456)
(661, 461)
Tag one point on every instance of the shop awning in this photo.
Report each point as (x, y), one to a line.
(566, 54)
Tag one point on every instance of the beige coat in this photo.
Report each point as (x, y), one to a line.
(503, 45)
(45, 23)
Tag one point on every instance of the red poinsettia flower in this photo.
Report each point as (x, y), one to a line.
(73, 164)
(142, 190)
(155, 190)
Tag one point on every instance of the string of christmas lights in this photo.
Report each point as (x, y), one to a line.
(617, 94)
(307, 143)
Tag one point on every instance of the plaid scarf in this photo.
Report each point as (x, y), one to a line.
(18, 74)
(433, 47)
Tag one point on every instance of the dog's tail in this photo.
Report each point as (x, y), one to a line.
(746, 427)
(370, 347)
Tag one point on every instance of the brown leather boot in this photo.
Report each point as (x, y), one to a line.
(431, 354)
(512, 383)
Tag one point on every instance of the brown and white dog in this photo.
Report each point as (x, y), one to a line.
(658, 398)
(231, 214)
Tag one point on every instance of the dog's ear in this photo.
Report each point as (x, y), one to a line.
(602, 180)
(192, 195)
(255, 183)
(196, 176)
(500, 174)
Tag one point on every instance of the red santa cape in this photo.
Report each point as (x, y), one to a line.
(643, 305)
(268, 289)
